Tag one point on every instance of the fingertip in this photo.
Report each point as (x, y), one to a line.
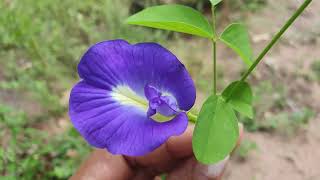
(102, 165)
(181, 146)
(212, 171)
(167, 155)
(241, 132)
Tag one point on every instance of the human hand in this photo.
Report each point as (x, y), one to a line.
(174, 158)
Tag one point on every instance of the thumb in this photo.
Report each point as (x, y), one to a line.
(192, 169)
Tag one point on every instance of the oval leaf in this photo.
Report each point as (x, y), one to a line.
(215, 2)
(240, 97)
(236, 37)
(173, 17)
(216, 131)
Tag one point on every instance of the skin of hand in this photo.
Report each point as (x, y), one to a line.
(175, 158)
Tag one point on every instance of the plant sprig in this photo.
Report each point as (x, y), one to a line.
(216, 130)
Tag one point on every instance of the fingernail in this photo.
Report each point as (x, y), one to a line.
(214, 170)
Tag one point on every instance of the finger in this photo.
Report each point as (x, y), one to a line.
(181, 146)
(213, 171)
(167, 156)
(241, 132)
(192, 169)
(101, 165)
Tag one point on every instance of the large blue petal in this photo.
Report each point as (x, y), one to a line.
(111, 63)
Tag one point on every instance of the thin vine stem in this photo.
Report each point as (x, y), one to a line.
(214, 51)
(271, 44)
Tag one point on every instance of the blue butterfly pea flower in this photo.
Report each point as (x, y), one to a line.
(131, 98)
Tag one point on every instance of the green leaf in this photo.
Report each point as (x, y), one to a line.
(236, 37)
(215, 2)
(216, 131)
(240, 97)
(173, 17)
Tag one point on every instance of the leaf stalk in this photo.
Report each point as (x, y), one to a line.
(214, 50)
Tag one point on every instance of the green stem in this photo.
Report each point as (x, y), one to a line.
(270, 45)
(214, 50)
(213, 20)
(192, 117)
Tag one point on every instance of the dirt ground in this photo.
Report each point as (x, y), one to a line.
(296, 158)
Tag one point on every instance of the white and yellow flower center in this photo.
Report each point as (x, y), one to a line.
(126, 96)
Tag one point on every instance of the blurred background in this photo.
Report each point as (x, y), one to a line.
(41, 42)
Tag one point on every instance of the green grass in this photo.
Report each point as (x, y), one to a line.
(30, 153)
(41, 43)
